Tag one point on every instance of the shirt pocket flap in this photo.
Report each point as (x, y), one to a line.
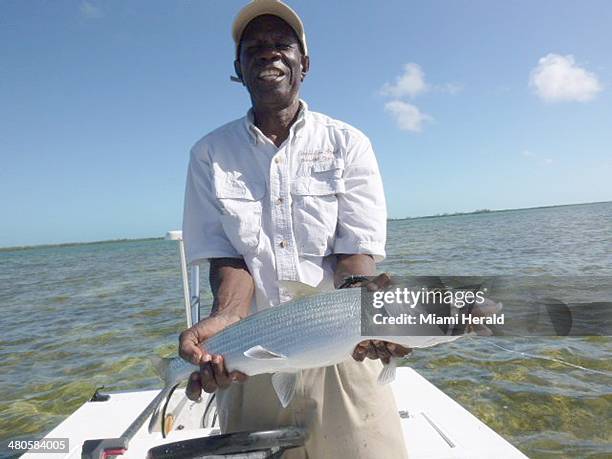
(231, 187)
(314, 186)
(323, 166)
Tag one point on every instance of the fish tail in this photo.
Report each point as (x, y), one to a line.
(161, 367)
(387, 375)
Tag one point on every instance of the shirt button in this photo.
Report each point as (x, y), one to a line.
(283, 244)
(279, 201)
(278, 160)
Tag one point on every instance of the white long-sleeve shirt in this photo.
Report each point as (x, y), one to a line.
(285, 209)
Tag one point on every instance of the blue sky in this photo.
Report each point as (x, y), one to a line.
(469, 104)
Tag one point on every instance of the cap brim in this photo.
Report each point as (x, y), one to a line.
(273, 7)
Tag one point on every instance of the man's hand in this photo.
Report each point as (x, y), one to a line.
(213, 374)
(373, 349)
(481, 310)
(382, 350)
(233, 289)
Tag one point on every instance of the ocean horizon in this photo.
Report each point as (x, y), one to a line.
(441, 215)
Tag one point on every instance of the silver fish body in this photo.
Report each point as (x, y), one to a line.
(309, 332)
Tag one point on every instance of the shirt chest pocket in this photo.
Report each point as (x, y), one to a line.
(241, 207)
(315, 206)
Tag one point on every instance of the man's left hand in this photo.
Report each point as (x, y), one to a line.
(374, 349)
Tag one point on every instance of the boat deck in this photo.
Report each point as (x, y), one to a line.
(435, 426)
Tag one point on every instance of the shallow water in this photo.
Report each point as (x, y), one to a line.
(79, 317)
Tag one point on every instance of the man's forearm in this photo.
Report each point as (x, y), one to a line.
(353, 265)
(232, 287)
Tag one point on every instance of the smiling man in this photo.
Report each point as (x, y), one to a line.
(287, 194)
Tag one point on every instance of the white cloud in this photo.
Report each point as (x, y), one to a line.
(451, 88)
(407, 116)
(410, 83)
(558, 79)
(535, 157)
(90, 11)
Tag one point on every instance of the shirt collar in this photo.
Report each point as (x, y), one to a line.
(257, 136)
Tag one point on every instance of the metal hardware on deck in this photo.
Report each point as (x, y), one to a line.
(99, 396)
(178, 236)
(264, 444)
(103, 448)
(195, 293)
(437, 429)
(206, 421)
(189, 275)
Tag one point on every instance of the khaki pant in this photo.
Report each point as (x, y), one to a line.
(347, 413)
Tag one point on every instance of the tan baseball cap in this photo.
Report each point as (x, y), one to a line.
(273, 7)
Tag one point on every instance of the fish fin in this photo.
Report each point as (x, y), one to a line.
(161, 365)
(261, 353)
(298, 289)
(392, 308)
(387, 374)
(396, 309)
(284, 386)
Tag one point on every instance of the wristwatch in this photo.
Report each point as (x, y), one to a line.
(352, 281)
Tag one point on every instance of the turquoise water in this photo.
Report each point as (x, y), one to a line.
(78, 317)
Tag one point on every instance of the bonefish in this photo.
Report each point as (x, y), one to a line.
(313, 330)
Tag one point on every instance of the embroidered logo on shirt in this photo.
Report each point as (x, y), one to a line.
(313, 161)
(315, 156)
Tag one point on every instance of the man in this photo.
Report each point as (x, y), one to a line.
(287, 194)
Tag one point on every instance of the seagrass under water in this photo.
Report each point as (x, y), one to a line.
(76, 318)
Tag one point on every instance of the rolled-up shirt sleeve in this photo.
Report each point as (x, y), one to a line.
(362, 211)
(202, 229)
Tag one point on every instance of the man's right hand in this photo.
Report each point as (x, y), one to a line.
(212, 375)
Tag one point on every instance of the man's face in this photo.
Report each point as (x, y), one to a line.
(271, 62)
